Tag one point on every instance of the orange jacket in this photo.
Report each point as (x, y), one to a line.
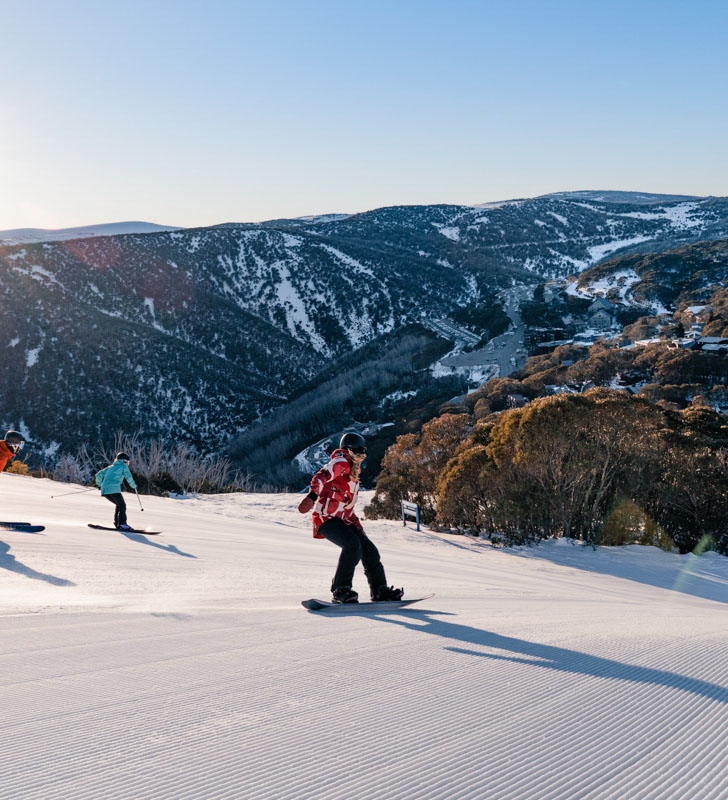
(6, 454)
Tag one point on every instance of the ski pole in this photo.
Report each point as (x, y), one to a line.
(70, 493)
(139, 499)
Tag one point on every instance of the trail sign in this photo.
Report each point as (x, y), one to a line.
(413, 510)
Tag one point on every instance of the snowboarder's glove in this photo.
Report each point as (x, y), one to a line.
(307, 503)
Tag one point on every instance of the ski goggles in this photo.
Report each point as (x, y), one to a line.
(17, 447)
(359, 450)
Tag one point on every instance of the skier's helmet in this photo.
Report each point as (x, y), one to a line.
(123, 457)
(354, 443)
(14, 440)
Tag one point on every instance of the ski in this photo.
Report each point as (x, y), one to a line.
(21, 527)
(3, 523)
(132, 530)
(387, 605)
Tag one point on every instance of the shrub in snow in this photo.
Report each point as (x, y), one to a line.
(17, 468)
(158, 467)
(627, 523)
(70, 469)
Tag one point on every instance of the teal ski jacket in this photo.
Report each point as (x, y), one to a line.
(111, 478)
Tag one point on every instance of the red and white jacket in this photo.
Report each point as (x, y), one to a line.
(337, 492)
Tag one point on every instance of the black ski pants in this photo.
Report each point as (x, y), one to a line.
(120, 510)
(355, 546)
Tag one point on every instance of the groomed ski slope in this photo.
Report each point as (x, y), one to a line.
(182, 666)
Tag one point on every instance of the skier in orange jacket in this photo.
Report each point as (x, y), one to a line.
(10, 447)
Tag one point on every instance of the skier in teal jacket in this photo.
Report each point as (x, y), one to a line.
(109, 480)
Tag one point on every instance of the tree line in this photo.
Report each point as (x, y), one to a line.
(604, 467)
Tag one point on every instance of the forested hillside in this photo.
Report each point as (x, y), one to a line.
(195, 334)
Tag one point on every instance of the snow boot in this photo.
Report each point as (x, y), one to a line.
(387, 593)
(124, 528)
(345, 594)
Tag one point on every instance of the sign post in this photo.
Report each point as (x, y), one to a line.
(413, 510)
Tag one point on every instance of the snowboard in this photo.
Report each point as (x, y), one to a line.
(133, 530)
(387, 605)
(21, 527)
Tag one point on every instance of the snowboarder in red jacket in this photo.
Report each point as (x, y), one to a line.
(334, 489)
(10, 447)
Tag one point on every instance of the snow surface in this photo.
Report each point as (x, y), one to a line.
(182, 666)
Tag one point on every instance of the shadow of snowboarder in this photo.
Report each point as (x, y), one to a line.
(546, 656)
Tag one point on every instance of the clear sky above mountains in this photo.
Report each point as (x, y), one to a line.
(190, 113)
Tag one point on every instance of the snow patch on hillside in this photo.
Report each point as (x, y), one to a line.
(315, 219)
(599, 251)
(395, 397)
(295, 309)
(679, 216)
(291, 241)
(621, 281)
(31, 356)
(451, 233)
(559, 217)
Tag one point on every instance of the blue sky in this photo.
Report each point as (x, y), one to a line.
(195, 113)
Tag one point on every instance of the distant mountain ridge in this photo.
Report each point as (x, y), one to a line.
(29, 235)
(194, 333)
(635, 198)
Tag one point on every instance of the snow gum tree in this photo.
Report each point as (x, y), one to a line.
(412, 466)
(603, 467)
(554, 466)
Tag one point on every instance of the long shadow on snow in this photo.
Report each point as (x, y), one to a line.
(168, 548)
(694, 575)
(12, 564)
(548, 656)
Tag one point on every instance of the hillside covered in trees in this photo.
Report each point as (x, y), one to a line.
(681, 276)
(611, 443)
(605, 467)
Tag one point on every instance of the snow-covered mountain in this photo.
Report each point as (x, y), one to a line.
(658, 280)
(633, 198)
(194, 333)
(183, 667)
(28, 235)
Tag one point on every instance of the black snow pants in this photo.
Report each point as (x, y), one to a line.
(120, 510)
(355, 546)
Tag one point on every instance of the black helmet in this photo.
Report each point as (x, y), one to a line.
(353, 442)
(14, 440)
(123, 457)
